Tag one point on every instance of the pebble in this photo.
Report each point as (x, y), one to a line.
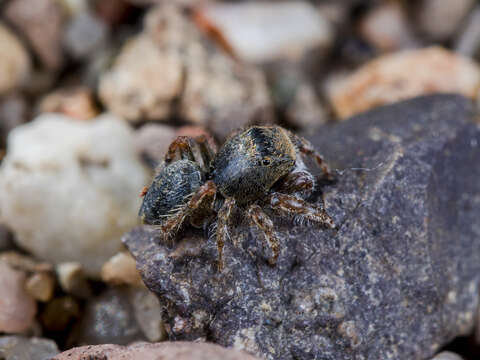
(152, 142)
(386, 27)
(402, 75)
(109, 319)
(41, 22)
(14, 61)
(306, 110)
(148, 313)
(17, 307)
(178, 350)
(76, 102)
(40, 286)
(439, 19)
(260, 32)
(72, 279)
(84, 34)
(447, 355)
(172, 70)
(22, 348)
(85, 173)
(120, 269)
(24, 263)
(468, 41)
(59, 313)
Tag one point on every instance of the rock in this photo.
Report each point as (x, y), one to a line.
(447, 355)
(77, 103)
(172, 70)
(261, 32)
(14, 111)
(306, 111)
(72, 279)
(21, 348)
(148, 313)
(40, 286)
(386, 27)
(17, 307)
(467, 43)
(24, 263)
(439, 19)
(84, 34)
(14, 61)
(403, 75)
(41, 22)
(109, 319)
(402, 268)
(152, 142)
(120, 270)
(59, 313)
(166, 351)
(69, 189)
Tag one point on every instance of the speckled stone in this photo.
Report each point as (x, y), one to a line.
(398, 280)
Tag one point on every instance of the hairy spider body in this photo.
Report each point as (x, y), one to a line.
(260, 167)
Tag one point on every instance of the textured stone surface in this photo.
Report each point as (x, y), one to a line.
(21, 348)
(397, 281)
(165, 351)
(69, 188)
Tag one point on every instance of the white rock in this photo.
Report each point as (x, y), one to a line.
(69, 189)
(265, 31)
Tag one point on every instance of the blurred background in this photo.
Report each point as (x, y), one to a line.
(93, 92)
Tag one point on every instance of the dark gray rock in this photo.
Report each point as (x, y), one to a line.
(398, 279)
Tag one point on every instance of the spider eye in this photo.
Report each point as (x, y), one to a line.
(266, 161)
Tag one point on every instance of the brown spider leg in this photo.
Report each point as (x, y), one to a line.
(222, 228)
(204, 195)
(300, 183)
(206, 151)
(295, 206)
(307, 149)
(182, 144)
(263, 222)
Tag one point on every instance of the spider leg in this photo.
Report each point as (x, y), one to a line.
(263, 222)
(201, 199)
(180, 148)
(300, 183)
(206, 151)
(292, 205)
(222, 228)
(307, 149)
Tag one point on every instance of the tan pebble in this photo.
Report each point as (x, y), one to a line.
(404, 75)
(40, 286)
(76, 103)
(72, 279)
(121, 269)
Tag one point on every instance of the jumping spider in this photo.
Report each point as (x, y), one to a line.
(260, 167)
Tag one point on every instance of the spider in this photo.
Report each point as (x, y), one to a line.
(257, 168)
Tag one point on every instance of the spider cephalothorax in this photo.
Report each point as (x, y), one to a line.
(255, 168)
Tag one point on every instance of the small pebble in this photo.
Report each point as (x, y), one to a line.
(77, 103)
(22, 348)
(40, 286)
(120, 269)
(14, 61)
(447, 355)
(148, 312)
(59, 313)
(72, 279)
(17, 307)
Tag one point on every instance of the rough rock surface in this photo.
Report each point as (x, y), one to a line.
(86, 174)
(398, 280)
(21, 348)
(166, 351)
